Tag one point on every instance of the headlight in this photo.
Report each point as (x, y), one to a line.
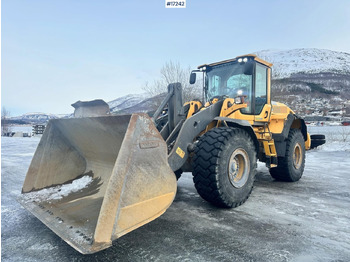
(244, 60)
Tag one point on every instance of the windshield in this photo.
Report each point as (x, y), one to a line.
(229, 80)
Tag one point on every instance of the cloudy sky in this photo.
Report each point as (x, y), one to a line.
(60, 51)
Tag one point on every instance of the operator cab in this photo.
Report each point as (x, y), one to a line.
(246, 77)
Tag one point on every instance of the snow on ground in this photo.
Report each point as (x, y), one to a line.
(304, 221)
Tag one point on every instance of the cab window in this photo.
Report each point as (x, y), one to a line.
(260, 88)
(232, 80)
(241, 85)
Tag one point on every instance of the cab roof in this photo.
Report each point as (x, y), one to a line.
(234, 59)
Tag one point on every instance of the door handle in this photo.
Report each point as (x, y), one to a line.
(266, 114)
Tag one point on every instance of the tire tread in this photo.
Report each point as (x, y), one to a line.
(205, 170)
(283, 171)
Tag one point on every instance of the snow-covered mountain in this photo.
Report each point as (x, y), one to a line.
(135, 103)
(306, 61)
(127, 101)
(35, 117)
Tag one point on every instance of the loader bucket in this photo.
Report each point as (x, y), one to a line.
(94, 179)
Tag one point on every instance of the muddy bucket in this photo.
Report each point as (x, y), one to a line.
(94, 179)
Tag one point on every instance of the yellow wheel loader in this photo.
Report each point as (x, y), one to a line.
(94, 179)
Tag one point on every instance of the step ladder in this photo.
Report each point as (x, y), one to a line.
(270, 152)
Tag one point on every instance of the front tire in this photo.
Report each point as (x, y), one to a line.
(291, 167)
(224, 166)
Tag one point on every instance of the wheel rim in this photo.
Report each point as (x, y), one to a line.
(297, 156)
(238, 168)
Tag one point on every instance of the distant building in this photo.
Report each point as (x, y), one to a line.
(38, 129)
(335, 112)
(10, 134)
(96, 107)
(17, 134)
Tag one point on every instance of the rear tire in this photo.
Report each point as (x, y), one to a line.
(318, 137)
(291, 167)
(224, 166)
(317, 140)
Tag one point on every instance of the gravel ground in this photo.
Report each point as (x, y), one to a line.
(304, 221)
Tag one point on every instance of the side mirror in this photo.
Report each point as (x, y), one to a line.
(248, 68)
(193, 78)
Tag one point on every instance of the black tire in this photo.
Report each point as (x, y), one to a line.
(224, 166)
(291, 167)
(317, 142)
(318, 137)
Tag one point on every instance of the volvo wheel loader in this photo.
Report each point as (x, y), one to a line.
(94, 179)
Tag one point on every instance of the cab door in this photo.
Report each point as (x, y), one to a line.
(262, 101)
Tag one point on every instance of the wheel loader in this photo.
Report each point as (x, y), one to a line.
(94, 179)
